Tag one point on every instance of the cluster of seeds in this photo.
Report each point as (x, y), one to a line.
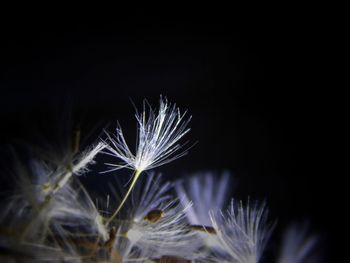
(51, 217)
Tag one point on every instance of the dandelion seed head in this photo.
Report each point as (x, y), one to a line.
(158, 139)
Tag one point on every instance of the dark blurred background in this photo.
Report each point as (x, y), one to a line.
(252, 85)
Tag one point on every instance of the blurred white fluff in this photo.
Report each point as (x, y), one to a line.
(297, 245)
(168, 236)
(169, 233)
(208, 191)
(157, 139)
(72, 207)
(46, 196)
(149, 195)
(77, 166)
(81, 162)
(242, 232)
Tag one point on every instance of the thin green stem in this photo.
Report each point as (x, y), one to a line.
(134, 180)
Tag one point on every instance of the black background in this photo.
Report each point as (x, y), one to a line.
(252, 85)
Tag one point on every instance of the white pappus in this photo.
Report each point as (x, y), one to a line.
(242, 231)
(158, 137)
(46, 196)
(159, 226)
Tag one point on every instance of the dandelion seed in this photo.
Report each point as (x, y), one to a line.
(82, 161)
(79, 166)
(168, 235)
(154, 216)
(157, 142)
(243, 232)
(150, 196)
(40, 210)
(43, 192)
(73, 208)
(157, 221)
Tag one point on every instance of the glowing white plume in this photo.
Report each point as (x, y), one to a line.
(157, 140)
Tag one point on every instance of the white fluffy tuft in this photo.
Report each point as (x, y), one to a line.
(157, 140)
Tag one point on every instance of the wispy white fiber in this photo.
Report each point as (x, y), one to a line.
(86, 158)
(45, 193)
(169, 233)
(50, 216)
(207, 191)
(242, 231)
(158, 143)
(79, 165)
(158, 136)
(150, 196)
(73, 207)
